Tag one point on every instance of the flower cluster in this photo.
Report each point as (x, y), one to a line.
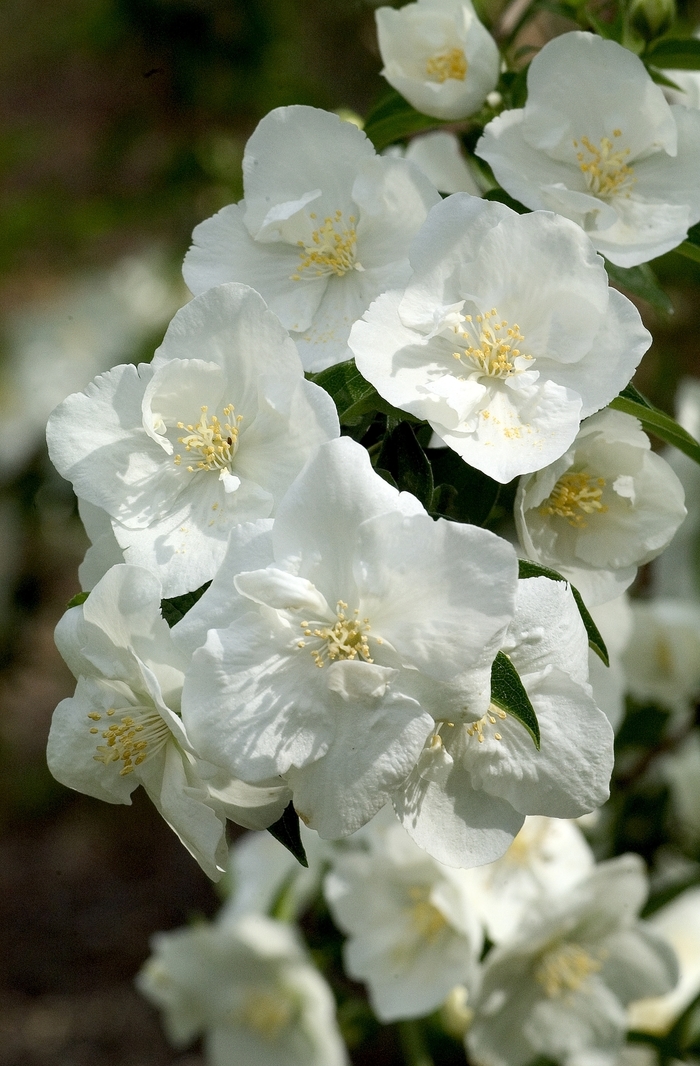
(310, 592)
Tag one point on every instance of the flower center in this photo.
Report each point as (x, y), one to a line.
(573, 497)
(490, 345)
(424, 916)
(565, 969)
(451, 63)
(268, 1013)
(131, 739)
(476, 729)
(215, 444)
(604, 166)
(347, 639)
(332, 249)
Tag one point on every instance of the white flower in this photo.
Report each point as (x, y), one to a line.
(438, 55)
(250, 988)
(681, 770)
(58, 343)
(560, 988)
(440, 157)
(662, 658)
(263, 875)
(475, 782)
(678, 923)
(413, 934)
(598, 143)
(609, 684)
(209, 434)
(607, 506)
(104, 552)
(122, 727)
(365, 619)
(325, 226)
(506, 336)
(547, 857)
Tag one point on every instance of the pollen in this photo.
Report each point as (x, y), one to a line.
(425, 918)
(214, 442)
(451, 63)
(565, 969)
(574, 497)
(347, 639)
(492, 717)
(332, 249)
(267, 1012)
(491, 345)
(130, 740)
(604, 166)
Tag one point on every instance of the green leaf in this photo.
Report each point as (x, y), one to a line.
(502, 197)
(675, 54)
(595, 640)
(176, 607)
(658, 422)
(346, 386)
(641, 281)
(690, 248)
(508, 693)
(402, 456)
(75, 601)
(473, 494)
(286, 830)
(393, 119)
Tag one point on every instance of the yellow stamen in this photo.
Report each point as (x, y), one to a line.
(332, 249)
(573, 497)
(347, 639)
(565, 969)
(604, 167)
(425, 918)
(449, 64)
(267, 1012)
(138, 735)
(216, 443)
(476, 729)
(490, 345)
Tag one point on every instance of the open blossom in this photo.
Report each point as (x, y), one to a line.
(547, 857)
(210, 434)
(440, 156)
(607, 506)
(438, 55)
(122, 727)
(560, 987)
(335, 639)
(506, 336)
(250, 988)
(413, 934)
(324, 227)
(476, 780)
(678, 922)
(662, 658)
(598, 143)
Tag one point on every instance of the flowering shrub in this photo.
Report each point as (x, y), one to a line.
(360, 533)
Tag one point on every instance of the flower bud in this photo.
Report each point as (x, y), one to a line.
(651, 18)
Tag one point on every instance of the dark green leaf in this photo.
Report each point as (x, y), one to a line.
(393, 119)
(595, 640)
(389, 478)
(508, 693)
(346, 386)
(641, 281)
(286, 830)
(675, 54)
(176, 607)
(445, 501)
(657, 422)
(502, 197)
(75, 601)
(690, 248)
(403, 457)
(475, 494)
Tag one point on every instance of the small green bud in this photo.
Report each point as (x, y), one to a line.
(651, 18)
